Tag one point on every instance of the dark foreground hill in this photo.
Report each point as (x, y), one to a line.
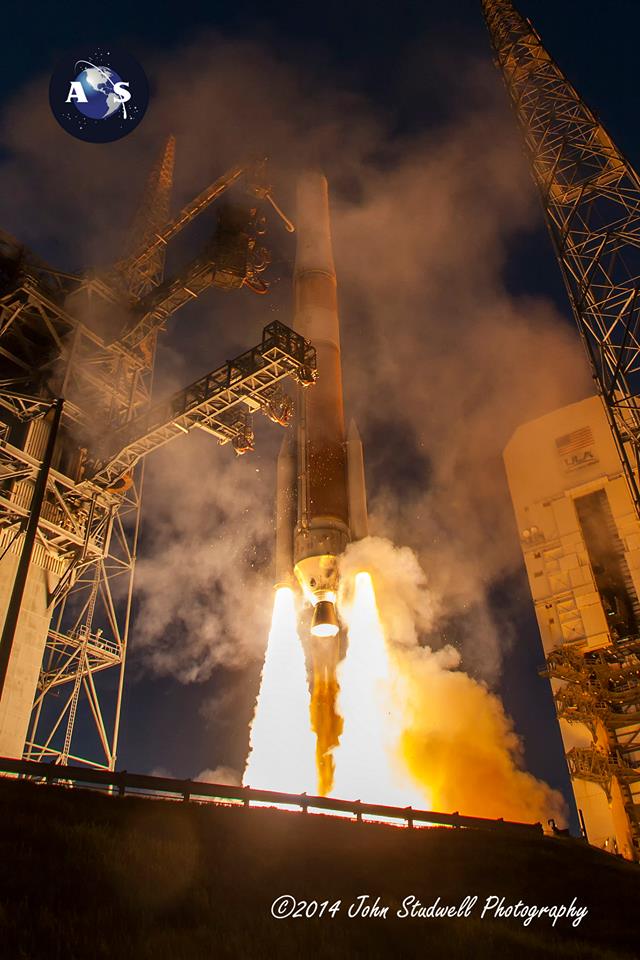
(85, 876)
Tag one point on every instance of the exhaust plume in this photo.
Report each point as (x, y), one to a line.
(281, 745)
(417, 729)
(367, 764)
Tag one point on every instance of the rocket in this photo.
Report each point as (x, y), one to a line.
(321, 502)
(321, 497)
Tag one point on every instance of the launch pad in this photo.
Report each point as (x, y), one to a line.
(78, 419)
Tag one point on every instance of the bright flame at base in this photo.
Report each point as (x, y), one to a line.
(282, 744)
(368, 764)
(407, 726)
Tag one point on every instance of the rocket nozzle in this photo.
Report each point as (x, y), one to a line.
(324, 622)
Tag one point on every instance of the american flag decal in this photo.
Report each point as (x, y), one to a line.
(571, 442)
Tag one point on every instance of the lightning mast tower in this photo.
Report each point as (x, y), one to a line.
(76, 420)
(591, 199)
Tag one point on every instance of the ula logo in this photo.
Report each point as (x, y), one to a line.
(99, 97)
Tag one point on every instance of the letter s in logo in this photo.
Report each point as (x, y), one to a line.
(121, 93)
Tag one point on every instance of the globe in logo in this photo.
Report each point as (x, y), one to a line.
(99, 98)
(98, 92)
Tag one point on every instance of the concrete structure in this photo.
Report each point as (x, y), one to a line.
(25, 663)
(580, 538)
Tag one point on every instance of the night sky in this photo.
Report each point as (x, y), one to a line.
(374, 49)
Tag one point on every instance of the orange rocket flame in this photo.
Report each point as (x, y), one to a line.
(327, 724)
(413, 729)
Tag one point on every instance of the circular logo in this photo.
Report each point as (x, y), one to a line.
(99, 94)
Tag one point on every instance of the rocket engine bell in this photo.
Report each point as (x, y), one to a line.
(321, 498)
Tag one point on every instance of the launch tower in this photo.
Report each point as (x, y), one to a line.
(591, 199)
(77, 420)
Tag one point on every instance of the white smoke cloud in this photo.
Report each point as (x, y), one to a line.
(406, 605)
(201, 580)
(163, 772)
(222, 774)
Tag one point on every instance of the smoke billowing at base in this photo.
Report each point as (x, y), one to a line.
(415, 729)
(453, 736)
(441, 363)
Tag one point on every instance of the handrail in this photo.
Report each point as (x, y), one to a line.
(188, 789)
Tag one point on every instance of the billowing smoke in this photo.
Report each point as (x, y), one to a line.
(202, 578)
(451, 734)
(404, 599)
(441, 360)
(461, 745)
(220, 774)
(447, 362)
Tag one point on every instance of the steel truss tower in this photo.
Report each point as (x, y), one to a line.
(591, 199)
(91, 340)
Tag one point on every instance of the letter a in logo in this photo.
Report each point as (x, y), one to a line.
(76, 92)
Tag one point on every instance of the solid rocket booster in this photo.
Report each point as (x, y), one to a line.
(321, 500)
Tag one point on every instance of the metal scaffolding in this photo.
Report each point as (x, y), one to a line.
(602, 689)
(591, 199)
(217, 403)
(91, 340)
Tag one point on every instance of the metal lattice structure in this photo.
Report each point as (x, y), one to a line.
(217, 403)
(602, 688)
(91, 341)
(141, 276)
(591, 199)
